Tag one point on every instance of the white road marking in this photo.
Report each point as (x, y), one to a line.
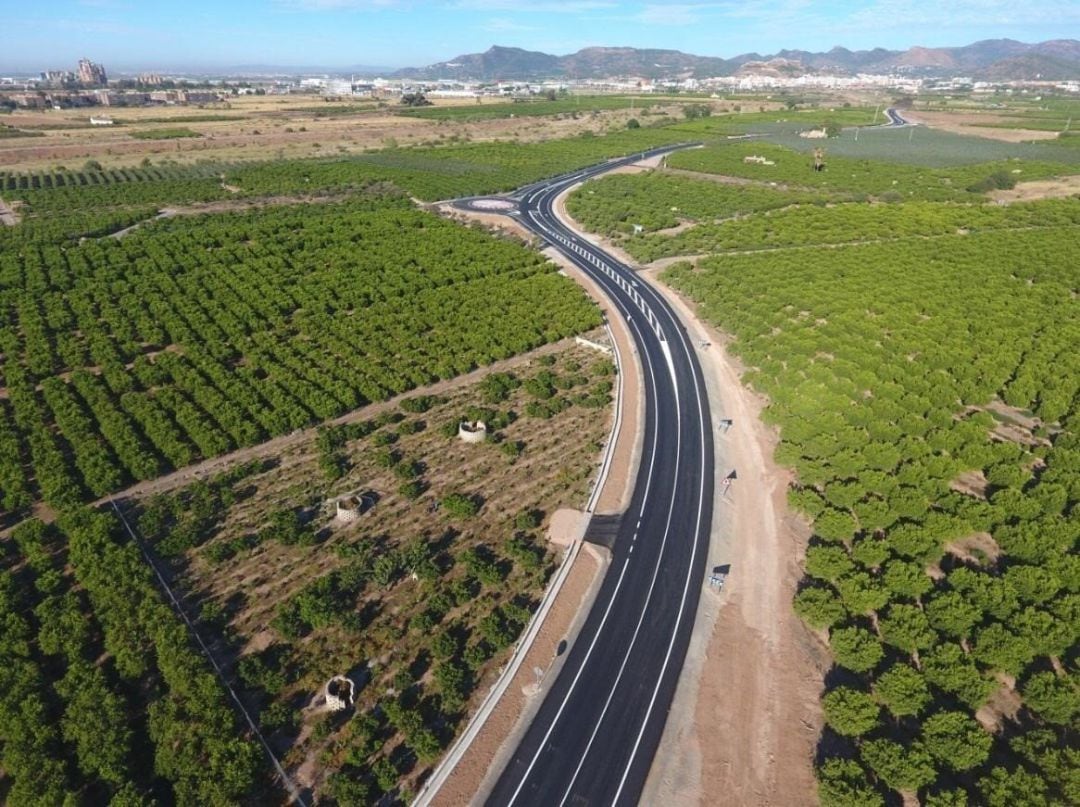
(603, 620)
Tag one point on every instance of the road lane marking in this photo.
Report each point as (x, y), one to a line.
(694, 370)
(646, 363)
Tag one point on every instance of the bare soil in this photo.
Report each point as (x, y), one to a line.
(1003, 705)
(747, 715)
(966, 123)
(7, 215)
(265, 128)
(1039, 189)
(979, 547)
(751, 731)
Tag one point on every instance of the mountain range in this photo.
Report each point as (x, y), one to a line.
(994, 59)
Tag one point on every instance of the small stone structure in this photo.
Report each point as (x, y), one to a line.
(814, 134)
(757, 158)
(472, 432)
(347, 509)
(339, 693)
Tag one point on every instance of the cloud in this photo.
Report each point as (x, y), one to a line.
(672, 13)
(964, 13)
(523, 6)
(341, 5)
(502, 25)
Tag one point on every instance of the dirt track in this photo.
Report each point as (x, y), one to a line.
(746, 716)
(749, 730)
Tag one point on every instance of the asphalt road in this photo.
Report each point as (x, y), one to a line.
(895, 118)
(594, 737)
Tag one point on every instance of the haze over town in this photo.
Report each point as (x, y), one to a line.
(397, 33)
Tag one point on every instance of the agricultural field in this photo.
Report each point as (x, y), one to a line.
(743, 118)
(193, 336)
(427, 173)
(1005, 112)
(925, 392)
(155, 316)
(260, 128)
(853, 222)
(925, 146)
(916, 346)
(105, 699)
(420, 598)
(862, 201)
(656, 201)
(864, 175)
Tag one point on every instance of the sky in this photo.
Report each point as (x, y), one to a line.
(163, 35)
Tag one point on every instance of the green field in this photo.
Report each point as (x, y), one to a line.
(655, 201)
(926, 392)
(193, 336)
(808, 225)
(927, 147)
(171, 133)
(846, 173)
(104, 698)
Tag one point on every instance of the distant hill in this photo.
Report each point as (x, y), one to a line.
(998, 59)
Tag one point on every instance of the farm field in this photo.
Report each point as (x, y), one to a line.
(290, 127)
(576, 105)
(427, 173)
(667, 213)
(913, 342)
(928, 146)
(419, 598)
(925, 393)
(940, 180)
(417, 601)
(269, 298)
(193, 336)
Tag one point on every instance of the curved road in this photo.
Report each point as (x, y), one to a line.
(895, 118)
(593, 739)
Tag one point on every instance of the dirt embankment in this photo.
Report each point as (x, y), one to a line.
(746, 718)
(747, 726)
(487, 754)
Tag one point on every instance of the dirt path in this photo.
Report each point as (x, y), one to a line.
(229, 207)
(746, 718)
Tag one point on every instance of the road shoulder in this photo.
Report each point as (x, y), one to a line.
(480, 765)
(746, 716)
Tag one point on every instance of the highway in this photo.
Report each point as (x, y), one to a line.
(594, 737)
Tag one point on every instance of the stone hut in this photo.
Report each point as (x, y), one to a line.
(348, 509)
(339, 693)
(472, 432)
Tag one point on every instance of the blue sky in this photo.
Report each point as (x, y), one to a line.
(211, 33)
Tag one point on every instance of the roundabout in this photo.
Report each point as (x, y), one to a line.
(490, 204)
